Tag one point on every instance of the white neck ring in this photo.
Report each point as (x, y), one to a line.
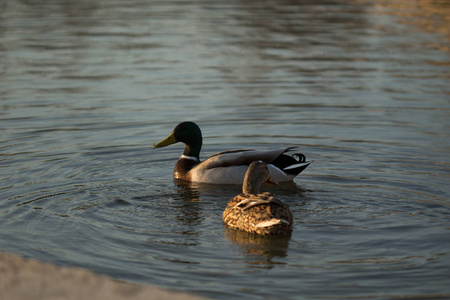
(189, 157)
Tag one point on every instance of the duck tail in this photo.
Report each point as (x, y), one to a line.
(296, 169)
(292, 165)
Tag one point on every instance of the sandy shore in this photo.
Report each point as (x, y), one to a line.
(32, 280)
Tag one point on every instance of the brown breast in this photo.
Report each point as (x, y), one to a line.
(182, 168)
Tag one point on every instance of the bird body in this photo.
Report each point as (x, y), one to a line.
(227, 167)
(254, 212)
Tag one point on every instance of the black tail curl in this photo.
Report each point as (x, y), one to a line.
(301, 157)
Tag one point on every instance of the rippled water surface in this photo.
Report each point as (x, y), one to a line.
(361, 87)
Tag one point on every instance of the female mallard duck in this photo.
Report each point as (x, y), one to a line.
(227, 167)
(258, 213)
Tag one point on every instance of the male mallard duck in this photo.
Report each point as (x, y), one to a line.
(254, 212)
(227, 167)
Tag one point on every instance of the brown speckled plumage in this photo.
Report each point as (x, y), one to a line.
(254, 212)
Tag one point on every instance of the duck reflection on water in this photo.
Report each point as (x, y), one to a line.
(259, 250)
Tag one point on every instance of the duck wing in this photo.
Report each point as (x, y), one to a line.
(250, 202)
(242, 157)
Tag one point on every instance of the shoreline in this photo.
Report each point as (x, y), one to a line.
(23, 278)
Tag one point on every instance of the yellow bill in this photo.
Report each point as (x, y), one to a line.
(166, 142)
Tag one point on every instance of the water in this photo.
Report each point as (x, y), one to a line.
(361, 87)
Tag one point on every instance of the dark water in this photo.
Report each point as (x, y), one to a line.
(361, 87)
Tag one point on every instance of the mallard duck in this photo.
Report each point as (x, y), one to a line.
(258, 213)
(227, 167)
